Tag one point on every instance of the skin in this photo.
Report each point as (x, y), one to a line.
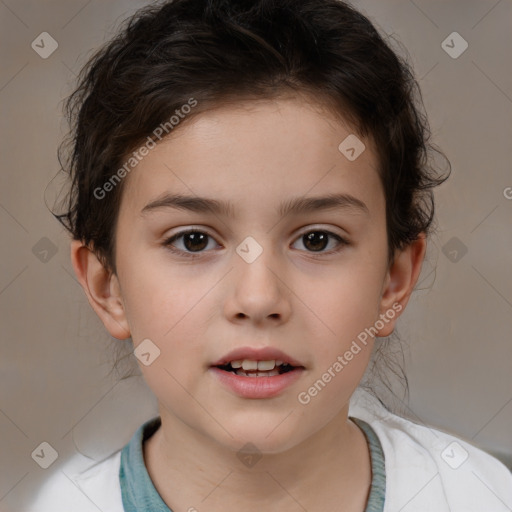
(303, 299)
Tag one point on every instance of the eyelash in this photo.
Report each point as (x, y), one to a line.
(168, 243)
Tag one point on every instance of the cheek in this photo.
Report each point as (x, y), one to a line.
(344, 303)
(171, 309)
(160, 300)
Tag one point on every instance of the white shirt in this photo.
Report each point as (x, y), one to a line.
(427, 470)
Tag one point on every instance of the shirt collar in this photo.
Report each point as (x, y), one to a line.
(137, 489)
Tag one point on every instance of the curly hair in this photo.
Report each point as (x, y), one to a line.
(220, 51)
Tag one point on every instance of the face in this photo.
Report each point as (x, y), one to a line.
(306, 282)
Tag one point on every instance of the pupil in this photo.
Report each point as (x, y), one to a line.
(195, 238)
(316, 237)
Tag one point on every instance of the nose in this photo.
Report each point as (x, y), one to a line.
(258, 291)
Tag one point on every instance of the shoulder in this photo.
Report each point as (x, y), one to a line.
(427, 469)
(91, 489)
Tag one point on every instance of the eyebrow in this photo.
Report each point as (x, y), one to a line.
(293, 206)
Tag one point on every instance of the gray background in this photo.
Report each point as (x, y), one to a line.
(55, 353)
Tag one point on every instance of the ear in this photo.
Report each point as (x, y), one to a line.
(102, 289)
(400, 281)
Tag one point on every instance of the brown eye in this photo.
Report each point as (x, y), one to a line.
(318, 240)
(193, 241)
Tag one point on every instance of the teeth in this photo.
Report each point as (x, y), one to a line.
(244, 365)
(270, 373)
(266, 365)
(249, 364)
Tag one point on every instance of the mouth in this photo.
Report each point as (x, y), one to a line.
(254, 368)
(259, 377)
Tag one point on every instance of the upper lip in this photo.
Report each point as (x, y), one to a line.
(257, 354)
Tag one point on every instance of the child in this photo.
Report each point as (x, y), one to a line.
(281, 138)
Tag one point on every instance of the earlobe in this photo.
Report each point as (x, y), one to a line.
(400, 281)
(102, 289)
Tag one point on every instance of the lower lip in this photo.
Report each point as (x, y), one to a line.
(257, 387)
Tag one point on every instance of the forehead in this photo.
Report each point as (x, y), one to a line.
(255, 153)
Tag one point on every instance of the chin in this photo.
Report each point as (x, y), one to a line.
(251, 437)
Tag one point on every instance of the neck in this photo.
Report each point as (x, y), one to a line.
(197, 471)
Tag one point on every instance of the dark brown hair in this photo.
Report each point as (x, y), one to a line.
(219, 51)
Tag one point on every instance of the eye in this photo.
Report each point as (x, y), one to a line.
(317, 240)
(194, 241)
